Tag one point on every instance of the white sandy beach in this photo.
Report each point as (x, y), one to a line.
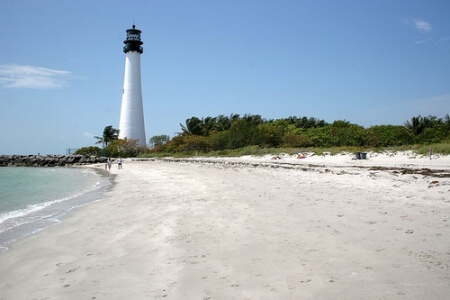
(322, 227)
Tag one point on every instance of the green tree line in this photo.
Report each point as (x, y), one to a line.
(235, 131)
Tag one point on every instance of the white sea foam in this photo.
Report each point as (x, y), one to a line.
(40, 198)
(36, 207)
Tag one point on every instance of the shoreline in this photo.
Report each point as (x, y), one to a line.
(225, 230)
(53, 211)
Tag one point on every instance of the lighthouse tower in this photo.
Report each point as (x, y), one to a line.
(131, 123)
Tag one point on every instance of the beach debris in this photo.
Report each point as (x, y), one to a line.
(304, 281)
(442, 173)
(360, 155)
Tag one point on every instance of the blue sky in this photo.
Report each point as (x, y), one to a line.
(368, 62)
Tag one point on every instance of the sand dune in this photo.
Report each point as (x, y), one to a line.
(323, 227)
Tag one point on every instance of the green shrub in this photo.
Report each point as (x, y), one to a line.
(89, 151)
(123, 148)
(220, 140)
(388, 135)
(195, 142)
(433, 135)
(270, 134)
(297, 138)
(241, 134)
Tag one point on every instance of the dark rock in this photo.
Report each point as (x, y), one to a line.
(48, 160)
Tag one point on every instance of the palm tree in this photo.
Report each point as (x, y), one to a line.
(418, 124)
(305, 122)
(223, 123)
(234, 117)
(447, 120)
(194, 126)
(253, 120)
(415, 125)
(209, 124)
(109, 134)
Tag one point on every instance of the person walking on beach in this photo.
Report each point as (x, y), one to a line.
(109, 163)
(119, 163)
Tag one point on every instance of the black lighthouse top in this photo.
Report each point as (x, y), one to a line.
(133, 41)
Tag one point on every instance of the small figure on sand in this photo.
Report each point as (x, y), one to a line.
(119, 163)
(109, 163)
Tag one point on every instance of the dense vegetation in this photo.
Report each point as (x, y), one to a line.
(221, 133)
(225, 133)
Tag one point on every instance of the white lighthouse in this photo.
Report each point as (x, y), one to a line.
(131, 123)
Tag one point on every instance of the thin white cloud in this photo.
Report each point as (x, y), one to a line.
(31, 77)
(428, 40)
(420, 25)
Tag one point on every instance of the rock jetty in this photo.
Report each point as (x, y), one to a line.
(48, 160)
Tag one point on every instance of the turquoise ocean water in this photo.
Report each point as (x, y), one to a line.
(32, 199)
